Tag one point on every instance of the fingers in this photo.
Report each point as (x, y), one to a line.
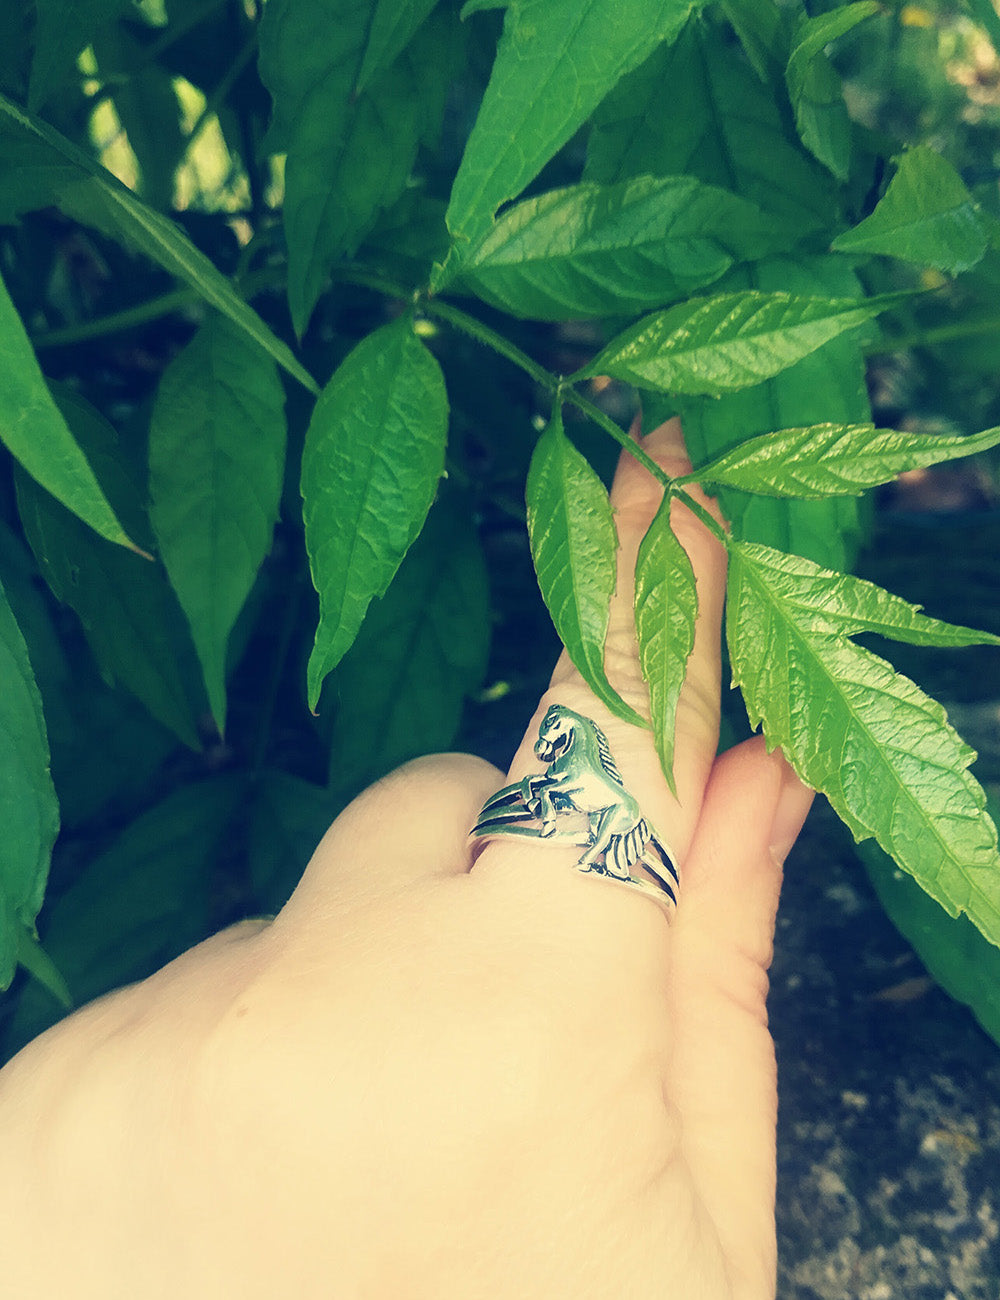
(721, 1075)
(412, 824)
(636, 496)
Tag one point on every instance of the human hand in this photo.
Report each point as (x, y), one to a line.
(422, 1081)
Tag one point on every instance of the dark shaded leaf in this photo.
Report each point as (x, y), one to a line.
(27, 797)
(420, 651)
(216, 463)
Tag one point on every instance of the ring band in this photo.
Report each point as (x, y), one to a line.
(581, 799)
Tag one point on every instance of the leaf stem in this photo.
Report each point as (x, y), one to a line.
(143, 312)
(941, 334)
(561, 388)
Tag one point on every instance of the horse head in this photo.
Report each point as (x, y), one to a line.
(557, 733)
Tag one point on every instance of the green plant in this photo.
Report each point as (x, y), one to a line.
(681, 182)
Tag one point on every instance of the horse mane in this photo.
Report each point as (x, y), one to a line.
(604, 751)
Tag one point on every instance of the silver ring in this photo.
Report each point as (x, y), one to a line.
(581, 799)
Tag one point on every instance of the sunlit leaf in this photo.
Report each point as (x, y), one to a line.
(730, 341)
(592, 250)
(832, 459)
(666, 605)
(574, 546)
(878, 747)
(556, 62)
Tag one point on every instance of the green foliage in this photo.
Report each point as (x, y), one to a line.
(443, 212)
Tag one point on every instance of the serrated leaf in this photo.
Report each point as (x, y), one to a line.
(730, 134)
(592, 250)
(130, 616)
(89, 193)
(35, 433)
(833, 459)
(815, 88)
(421, 649)
(373, 455)
(760, 26)
(878, 747)
(216, 461)
(27, 797)
(138, 904)
(666, 606)
(839, 604)
(350, 152)
(730, 341)
(573, 544)
(926, 216)
(556, 61)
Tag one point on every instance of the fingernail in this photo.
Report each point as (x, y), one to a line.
(794, 802)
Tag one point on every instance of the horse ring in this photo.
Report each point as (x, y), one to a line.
(581, 799)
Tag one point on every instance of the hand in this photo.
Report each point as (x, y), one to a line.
(422, 1081)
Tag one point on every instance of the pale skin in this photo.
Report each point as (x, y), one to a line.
(425, 1082)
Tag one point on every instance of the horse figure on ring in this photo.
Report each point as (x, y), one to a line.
(582, 778)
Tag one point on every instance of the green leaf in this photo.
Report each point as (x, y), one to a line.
(373, 455)
(829, 384)
(730, 134)
(573, 544)
(760, 25)
(393, 25)
(89, 193)
(666, 605)
(926, 216)
(216, 462)
(350, 152)
(138, 904)
(421, 649)
(953, 950)
(878, 747)
(592, 250)
(815, 88)
(62, 31)
(833, 459)
(838, 604)
(145, 100)
(36, 434)
(30, 810)
(289, 817)
(40, 966)
(729, 341)
(129, 614)
(556, 61)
